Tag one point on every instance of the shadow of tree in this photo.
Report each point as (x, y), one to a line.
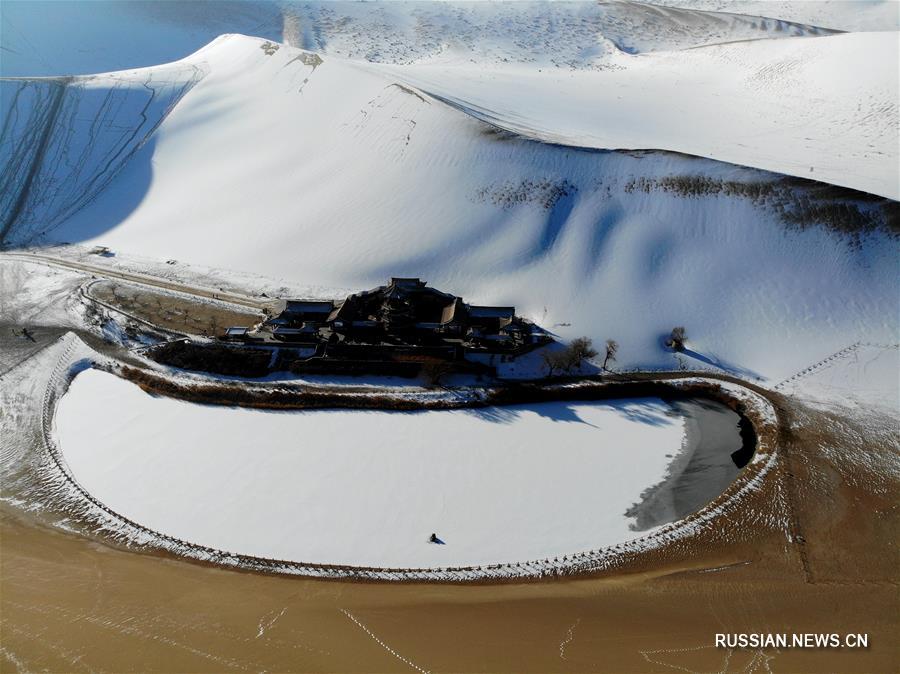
(646, 411)
(640, 410)
(495, 415)
(562, 412)
(730, 368)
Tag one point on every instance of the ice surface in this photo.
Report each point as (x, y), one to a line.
(368, 488)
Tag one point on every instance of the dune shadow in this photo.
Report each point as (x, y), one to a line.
(81, 157)
(560, 210)
(126, 193)
(730, 368)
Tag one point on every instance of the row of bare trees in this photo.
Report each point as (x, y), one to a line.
(571, 357)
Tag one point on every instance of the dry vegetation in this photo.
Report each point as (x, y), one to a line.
(276, 399)
(172, 312)
(544, 192)
(214, 358)
(569, 357)
(799, 203)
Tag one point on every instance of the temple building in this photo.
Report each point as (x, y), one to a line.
(404, 318)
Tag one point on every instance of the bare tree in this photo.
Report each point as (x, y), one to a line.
(612, 348)
(580, 350)
(676, 339)
(569, 357)
(554, 360)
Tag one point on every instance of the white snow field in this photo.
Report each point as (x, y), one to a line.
(112, 35)
(864, 376)
(854, 15)
(331, 173)
(821, 108)
(824, 109)
(368, 488)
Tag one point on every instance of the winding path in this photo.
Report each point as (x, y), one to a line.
(99, 271)
(104, 520)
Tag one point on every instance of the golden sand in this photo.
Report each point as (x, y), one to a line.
(72, 604)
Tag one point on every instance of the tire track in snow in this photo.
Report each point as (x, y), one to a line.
(265, 625)
(37, 161)
(136, 627)
(664, 651)
(817, 365)
(382, 644)
(570, 635)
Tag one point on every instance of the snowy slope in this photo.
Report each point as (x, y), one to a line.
(330, 173)
(568, 35)
(368, 488)
(38, 38)
(865, 376)
(564, 72)
(851, 15)
(825, 109)
(64, 139)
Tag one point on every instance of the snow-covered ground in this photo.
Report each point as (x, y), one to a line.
(368, 488)
(37, 295)
(823, 109)
(39, 40)
(612, 169)
(334, 175)
(855, 15)
(864, 376)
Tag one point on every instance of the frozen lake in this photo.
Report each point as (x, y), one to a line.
(368, 488)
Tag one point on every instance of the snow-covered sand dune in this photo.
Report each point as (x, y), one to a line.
(334, 174)
(746, 89)
(65, 138)
(824, 109)
(368, 488)
(118, 35)
(568, 35)
(861, 15)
